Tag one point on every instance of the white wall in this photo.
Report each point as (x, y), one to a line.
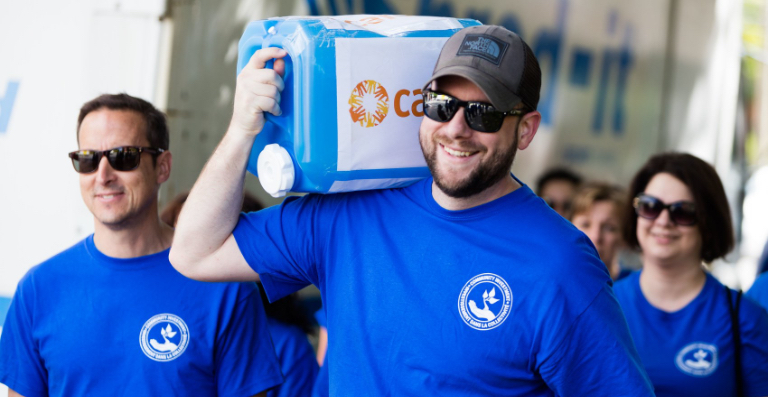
(61, 54)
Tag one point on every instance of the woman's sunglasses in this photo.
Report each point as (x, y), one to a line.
(680, 212)
(124, 158)
(480, 116)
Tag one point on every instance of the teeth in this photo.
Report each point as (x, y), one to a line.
(107, 197)
(456, 152)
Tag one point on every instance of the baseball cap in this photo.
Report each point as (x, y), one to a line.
(496, 60)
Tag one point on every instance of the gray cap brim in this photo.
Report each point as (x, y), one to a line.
(502, 98)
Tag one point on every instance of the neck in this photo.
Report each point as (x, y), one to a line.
(614, 267)
(499, 189)
(671, 288)
(147, 237)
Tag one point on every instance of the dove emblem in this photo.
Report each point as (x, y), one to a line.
(697, 359)
(485, 301)
(164, 337)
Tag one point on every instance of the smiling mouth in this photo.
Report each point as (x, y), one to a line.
(456, 153)
(107, 196)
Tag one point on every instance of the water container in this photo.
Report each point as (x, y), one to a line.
(352, 100)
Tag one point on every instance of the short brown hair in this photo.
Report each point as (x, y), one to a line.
(593, 192)
(713, 214)
(154, 120)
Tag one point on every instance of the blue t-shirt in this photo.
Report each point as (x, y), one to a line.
(507, 298)
(321, 384)
(85, 324)
(690, 352)
(297, 360)
(759, 291)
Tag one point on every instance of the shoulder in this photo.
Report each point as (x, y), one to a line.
(626, 288)
(759, 290)
(59, 265)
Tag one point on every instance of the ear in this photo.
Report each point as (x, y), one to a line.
(527, 129)
(163, 167)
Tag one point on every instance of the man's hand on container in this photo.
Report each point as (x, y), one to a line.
(258, 91)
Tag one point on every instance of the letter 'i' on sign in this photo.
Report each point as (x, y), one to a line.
(6, 104)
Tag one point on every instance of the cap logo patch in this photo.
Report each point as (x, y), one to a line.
(484, 46)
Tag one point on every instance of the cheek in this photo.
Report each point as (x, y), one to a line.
(85, 185)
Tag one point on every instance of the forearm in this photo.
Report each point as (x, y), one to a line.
(211, 211)
(203, 247)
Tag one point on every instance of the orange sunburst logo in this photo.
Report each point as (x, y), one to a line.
(373, 91)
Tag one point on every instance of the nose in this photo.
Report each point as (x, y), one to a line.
(595, 234)
(105, 173)
(457, 128)
(663, 218)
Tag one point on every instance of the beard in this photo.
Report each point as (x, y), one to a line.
(486, 174)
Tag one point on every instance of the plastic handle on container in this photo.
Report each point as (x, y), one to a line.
(275, 169)
(274, 39)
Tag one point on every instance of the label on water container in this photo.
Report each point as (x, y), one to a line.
(379, 104)
(390, 25)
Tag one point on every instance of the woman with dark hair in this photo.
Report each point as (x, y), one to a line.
(288, 324)
(695, 336)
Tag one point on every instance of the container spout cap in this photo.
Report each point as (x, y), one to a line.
(275, 170)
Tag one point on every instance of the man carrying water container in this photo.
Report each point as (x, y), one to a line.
(461, 284)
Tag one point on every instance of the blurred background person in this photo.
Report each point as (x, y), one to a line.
(321, 388)
(557, 187)
(680, 316)
(597, 211)
(288, 324)
(759, 290)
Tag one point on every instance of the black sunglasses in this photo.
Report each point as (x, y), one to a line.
(480, 116)
(124, 158)
(680, 212)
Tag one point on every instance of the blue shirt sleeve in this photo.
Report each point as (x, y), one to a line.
(245, 356)
(753, 321)
(596, 356)
(759, 291)
(297, 360)
(280, 244)
(21, 367)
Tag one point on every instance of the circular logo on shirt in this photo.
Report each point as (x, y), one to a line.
(697, 359)
(485, 301)
(164, 337)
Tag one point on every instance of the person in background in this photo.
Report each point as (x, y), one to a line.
(461, 284)
(321, 384)
(557, 187)
(110, 316)
(597, 211)
(680, 316)
(288, 324)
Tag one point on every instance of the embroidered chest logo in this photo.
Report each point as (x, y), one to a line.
(164, 337)
(485, 301)
(697, 359)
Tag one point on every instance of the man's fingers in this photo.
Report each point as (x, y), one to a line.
(261, 57)
(261, 76)
(268, 88)
(279, 67)
(269, 105)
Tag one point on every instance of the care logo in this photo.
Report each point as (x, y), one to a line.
(369, 103)
(485, 301)
(697, 359)
(164, 337)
